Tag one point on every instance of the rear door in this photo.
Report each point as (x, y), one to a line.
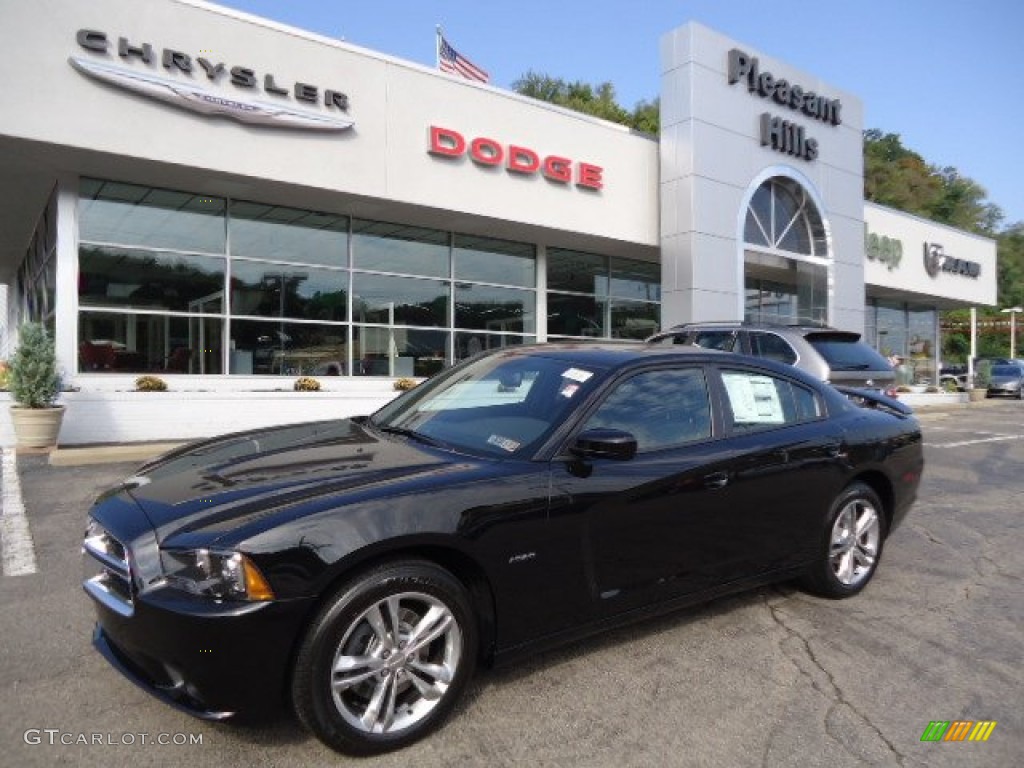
(786, 465)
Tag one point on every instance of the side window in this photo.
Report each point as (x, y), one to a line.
(760, 401)
(662, 409)
(722, 340)
(772, 347)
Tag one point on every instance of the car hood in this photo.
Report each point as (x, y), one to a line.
(220, 485)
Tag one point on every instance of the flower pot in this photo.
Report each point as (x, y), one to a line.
(36, 427)
(977, 395)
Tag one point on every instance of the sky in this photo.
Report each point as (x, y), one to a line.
(947, 76)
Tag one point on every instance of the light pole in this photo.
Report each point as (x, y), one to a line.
(1013, 328)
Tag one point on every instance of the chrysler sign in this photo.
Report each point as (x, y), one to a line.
(186, 81)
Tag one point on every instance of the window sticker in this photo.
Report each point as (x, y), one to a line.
(569, 390)
(576, 374)
(754, 399)
(505, 443)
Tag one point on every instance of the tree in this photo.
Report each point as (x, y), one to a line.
(598, 101)
(900, 178)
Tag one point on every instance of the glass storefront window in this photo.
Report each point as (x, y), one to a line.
(640, 280)
(288, 349)
(634, 319)
(575, 316)
(398, 351)
(141, 279)
(110, 342)
(382, 247)
(490, 308)
(127, 214)
(399, 300)
(279, 290)
(317, 293)
(288, 234)
(486, 260)
(468, 344)
(575, 271)
(612, 297)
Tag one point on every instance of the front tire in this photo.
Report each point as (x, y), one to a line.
(386, 659)
(851, 547)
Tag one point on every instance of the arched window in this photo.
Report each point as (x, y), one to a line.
(782, 217)
(786, 255)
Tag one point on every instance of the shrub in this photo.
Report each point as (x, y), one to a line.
(34, 381)
(404, 384)
(306, 384)
(5, 373)
(150, 384)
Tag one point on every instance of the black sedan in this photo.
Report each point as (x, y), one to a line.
(361, 569)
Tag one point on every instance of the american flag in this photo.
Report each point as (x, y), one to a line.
(454, 63)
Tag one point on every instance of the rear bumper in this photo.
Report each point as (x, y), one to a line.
(213, 661)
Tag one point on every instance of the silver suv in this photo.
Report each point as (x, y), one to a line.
(828, 354)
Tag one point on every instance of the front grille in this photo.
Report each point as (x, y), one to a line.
(108, 570)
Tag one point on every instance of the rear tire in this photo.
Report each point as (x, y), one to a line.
(386, 659)
(851, 544)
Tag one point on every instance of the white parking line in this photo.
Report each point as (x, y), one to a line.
(962, 443)
(19, 554)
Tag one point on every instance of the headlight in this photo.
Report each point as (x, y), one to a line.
(220, 575)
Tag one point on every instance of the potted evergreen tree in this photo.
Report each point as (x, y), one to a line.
(35, 385)
(982, 378)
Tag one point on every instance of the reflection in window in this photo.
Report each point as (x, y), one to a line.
(148, 343)
(276, 290)
(594, 296)
(570, 315)
(399, 300)
(486, 260)
(287, 349)
(130, 277)
(468, 344)
(128, 214)
(383, 247)
(661, 409)
(288, 234)
(398, 351)
(634, 319)
(494, 309)
(155, 265)
(574, 271)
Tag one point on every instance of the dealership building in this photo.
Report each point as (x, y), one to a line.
(230, 203)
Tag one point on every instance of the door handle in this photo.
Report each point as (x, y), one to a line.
(716, 480)
(835, 451)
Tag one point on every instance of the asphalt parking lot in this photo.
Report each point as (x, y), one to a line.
(773, 677)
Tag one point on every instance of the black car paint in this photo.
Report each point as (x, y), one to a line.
(554, 546)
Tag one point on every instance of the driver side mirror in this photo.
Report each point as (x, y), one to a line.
(602, 443)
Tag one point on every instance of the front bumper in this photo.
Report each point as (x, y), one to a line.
(212, 660)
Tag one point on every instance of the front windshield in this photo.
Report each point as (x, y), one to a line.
(1005, 370)
(503, 405)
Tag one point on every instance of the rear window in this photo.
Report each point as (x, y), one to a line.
(844, 352)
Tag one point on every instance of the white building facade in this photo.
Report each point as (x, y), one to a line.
(230, 203)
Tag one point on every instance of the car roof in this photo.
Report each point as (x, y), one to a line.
(610, 355)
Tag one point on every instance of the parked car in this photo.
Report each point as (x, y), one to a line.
(1006, 380)
(361, 569)
(953, 376)
(827, 354)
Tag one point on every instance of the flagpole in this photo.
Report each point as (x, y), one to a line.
(437, 48)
